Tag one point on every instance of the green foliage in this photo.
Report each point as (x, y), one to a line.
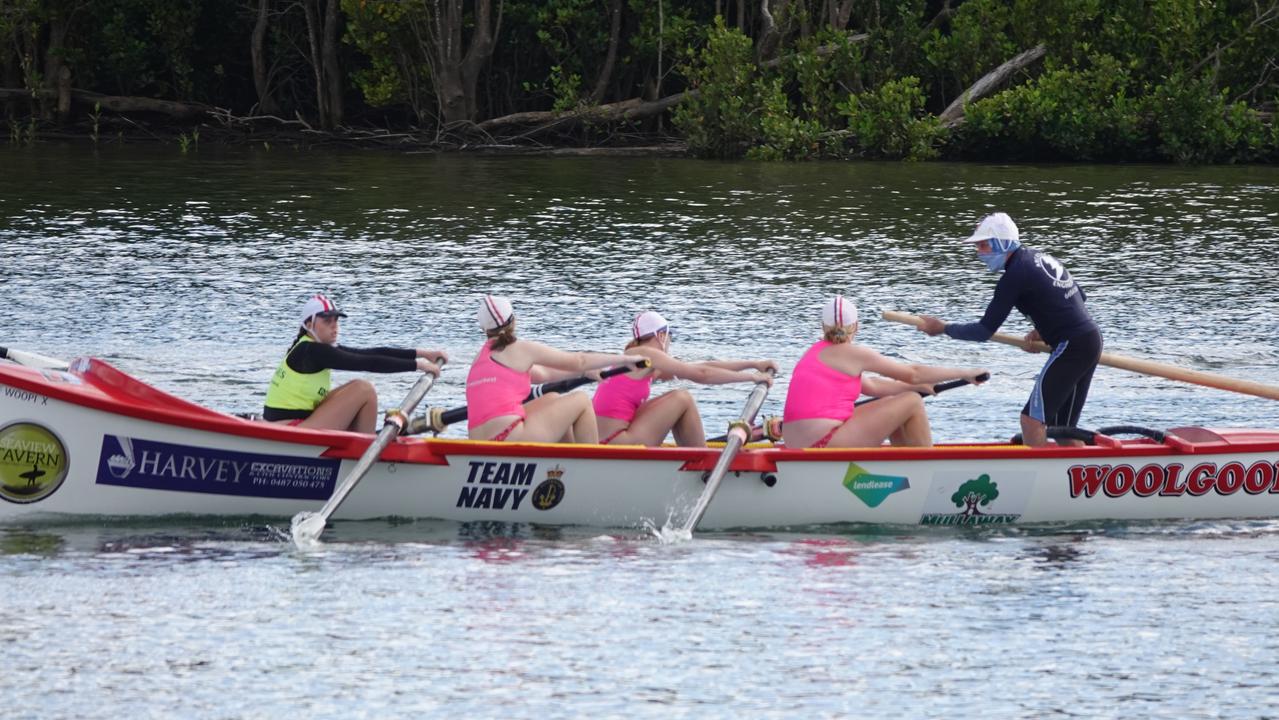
(889, 123)
(1063, 114)
(719, 119)
(395, 68)
(566, 89)
(1144, 80)
(782, 135)
(1193, 123)
(977, 42)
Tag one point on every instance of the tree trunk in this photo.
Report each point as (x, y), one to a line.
(456, 76)
(323, 34)
(317, 68)
(332, 69)
(990, 82)
(610, 59)
(769, 36)
(59, 24)
(257, 49)
(114, 103)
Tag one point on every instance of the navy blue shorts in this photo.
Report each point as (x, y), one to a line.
(1062, 386)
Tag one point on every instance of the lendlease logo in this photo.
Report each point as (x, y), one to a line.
(870, 488)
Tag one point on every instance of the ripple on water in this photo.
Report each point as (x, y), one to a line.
(187, 271)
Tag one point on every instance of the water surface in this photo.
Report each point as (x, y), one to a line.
(187, 271)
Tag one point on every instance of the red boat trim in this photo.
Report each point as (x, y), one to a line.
(110, 390)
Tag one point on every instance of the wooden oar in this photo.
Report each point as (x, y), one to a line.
(30, 359)
(1145, 367)
(307, 526)
(756, 432)
(437, 420)
(738, 434)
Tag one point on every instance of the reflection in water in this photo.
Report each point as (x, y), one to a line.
(21, 541)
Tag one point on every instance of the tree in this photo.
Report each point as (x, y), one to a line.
(980, 491)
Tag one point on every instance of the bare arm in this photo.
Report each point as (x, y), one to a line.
(876, 386)
(571, 363)
(760, 365)
(705, 373)
(857, 358)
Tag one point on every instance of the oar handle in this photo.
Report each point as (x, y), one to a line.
(739, 432)
(30, 359)
(1144, 367)
(437, 420)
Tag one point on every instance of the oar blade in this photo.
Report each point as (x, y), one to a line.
(306, 528)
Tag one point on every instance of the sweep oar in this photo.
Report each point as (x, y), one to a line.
(739, 432)
(30, 359)
(938, 388)
(307, 526)
(438, 419)
(1144, 367)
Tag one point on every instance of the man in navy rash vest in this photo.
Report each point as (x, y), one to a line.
(1040, 287)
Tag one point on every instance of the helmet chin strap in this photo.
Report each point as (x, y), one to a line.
(309, 327)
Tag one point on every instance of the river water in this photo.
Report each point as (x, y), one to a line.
(187, 271)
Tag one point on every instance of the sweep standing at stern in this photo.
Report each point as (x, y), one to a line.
(300, 388)
(1043, 290)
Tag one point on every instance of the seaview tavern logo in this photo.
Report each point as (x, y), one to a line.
(872, 489)
(971, 496)
(132, 462)
(33, 462)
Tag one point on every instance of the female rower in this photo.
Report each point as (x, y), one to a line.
(299, 392)
(627, 416)
(503, 373)
(828, 379)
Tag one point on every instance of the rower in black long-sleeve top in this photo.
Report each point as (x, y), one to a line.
(300, 392)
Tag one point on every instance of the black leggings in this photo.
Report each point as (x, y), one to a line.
(1062, 386)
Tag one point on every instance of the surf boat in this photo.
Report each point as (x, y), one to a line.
(91, 440)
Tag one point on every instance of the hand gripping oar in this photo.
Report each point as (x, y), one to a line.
(738, 433)
(757, 432)
(437, 420)
(307, 526)
(1144, 367)
(30, 359)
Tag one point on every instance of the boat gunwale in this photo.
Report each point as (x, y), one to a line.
(435, 451)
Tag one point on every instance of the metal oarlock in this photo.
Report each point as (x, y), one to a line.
(743, 426)
(396, 416)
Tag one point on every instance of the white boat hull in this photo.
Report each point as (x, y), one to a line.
(99, 443)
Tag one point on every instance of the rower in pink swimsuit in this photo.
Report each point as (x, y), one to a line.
(828, 379)
(626, 414)
(506, 367)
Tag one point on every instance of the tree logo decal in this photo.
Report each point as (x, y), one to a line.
(971, 497)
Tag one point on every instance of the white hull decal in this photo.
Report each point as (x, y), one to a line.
(961, 499)
(132, 462)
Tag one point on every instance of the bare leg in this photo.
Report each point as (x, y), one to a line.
(350, 407)
(674, 411)
(901, 418)
(1033, 432)
(551, 418)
